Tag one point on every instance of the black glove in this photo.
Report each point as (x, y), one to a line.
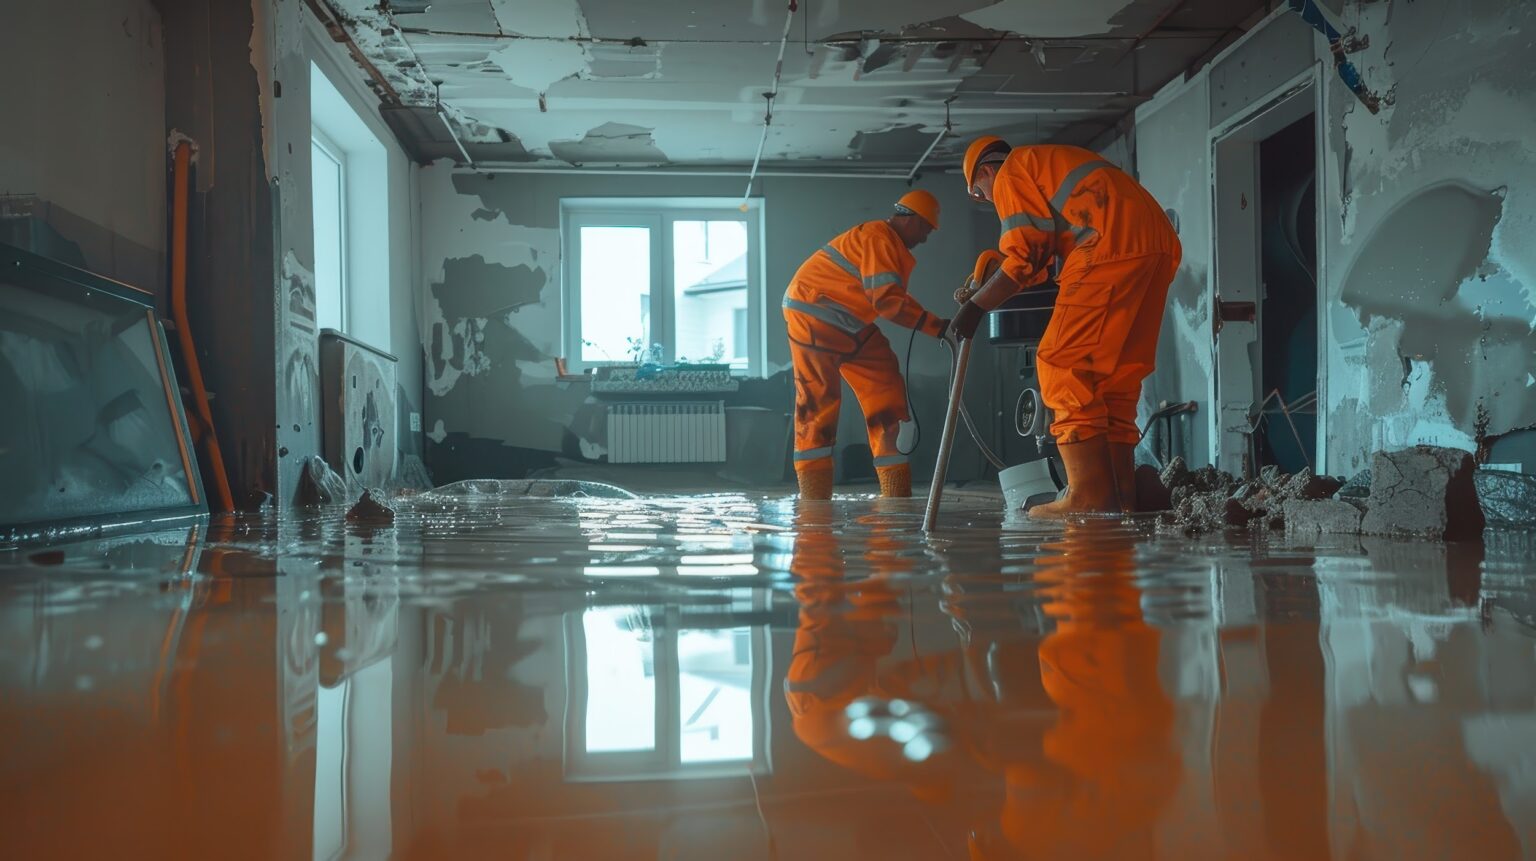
(943, 328)
(963, 327)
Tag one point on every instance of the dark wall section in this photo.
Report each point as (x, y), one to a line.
(213, 97)
(82, 136)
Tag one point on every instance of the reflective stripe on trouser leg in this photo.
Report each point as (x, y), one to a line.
(875, 377)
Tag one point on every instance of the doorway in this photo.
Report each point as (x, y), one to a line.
(1286, 430)
(1267, 381)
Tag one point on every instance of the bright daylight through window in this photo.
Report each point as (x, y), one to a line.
(329, 174)
(664, 282)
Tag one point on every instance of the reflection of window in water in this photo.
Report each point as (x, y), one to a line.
(621, 681)
(660, 692)
(715, 690)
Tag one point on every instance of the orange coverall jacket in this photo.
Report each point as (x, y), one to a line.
(858, 276)
(830, 310)
(1118, 255)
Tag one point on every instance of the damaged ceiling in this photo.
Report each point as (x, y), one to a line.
(866, 84)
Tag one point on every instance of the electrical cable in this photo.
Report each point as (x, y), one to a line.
(965, 416)
(906, 376)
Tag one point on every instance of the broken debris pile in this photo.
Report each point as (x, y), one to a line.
(1421, 492)
(1209, 500)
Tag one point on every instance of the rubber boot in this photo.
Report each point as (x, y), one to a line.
(1091, 487)
(1122, 455)
(895, 481)
(815, 479)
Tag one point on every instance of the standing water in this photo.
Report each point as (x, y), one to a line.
(736, 677)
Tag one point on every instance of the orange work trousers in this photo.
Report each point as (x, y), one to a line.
(824, 356)
(1101, 344)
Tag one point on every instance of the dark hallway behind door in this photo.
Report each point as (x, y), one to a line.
(1288, 335)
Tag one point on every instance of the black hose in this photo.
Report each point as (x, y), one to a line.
(906, 382)
(965, 416)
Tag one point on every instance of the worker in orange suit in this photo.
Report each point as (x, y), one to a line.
(831, 307)
(1118, 254)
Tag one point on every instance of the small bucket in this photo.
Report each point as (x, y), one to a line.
(1028, 484)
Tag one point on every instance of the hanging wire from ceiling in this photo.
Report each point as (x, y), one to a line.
(773, 93)
(943, 133)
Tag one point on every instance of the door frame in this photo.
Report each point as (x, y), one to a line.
(1238, 264)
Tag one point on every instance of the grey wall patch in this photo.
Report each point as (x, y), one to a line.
(1416, 258)
(472, 287)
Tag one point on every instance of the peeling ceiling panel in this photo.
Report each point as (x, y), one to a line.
(866, 84)
(764, 19)
(459, 17)
(560, 19)
(611, 143)
(1078, 18)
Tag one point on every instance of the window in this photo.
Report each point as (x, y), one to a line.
(350, 197)
(328, 170)
(663, 280)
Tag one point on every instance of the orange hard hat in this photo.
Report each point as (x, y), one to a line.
(920, 203)
(979, 147)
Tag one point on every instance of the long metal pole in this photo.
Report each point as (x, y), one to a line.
(947, 442)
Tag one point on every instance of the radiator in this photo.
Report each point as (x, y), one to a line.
(666, 432)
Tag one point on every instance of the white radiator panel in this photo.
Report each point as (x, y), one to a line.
(666, 432)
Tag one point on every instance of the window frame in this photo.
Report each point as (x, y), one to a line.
(664, 760)
(659, 214)
(338, 154)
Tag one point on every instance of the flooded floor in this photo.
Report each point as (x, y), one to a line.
(732, 677)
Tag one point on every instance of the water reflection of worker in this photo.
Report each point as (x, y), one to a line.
(831, 307)
(1118, 256)
(1109, 764)
(844, 651)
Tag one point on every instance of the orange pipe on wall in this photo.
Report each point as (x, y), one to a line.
(180, 184)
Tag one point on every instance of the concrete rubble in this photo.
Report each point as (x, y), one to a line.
(1208, 500)
(1424, 492)
(1508, 499)
(1311, 517)
(1420, 492)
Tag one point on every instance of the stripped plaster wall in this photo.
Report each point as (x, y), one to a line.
(86, 137)
(1432, 275)
(237, 85)
(394, 301)
(1173, 162)
(490, 303)
(1429, 294)
(280, 56)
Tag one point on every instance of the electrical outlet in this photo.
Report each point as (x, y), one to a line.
(415, 422)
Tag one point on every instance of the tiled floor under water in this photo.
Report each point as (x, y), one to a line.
(735, 677)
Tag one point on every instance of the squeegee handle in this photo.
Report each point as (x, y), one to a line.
(947, 441)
